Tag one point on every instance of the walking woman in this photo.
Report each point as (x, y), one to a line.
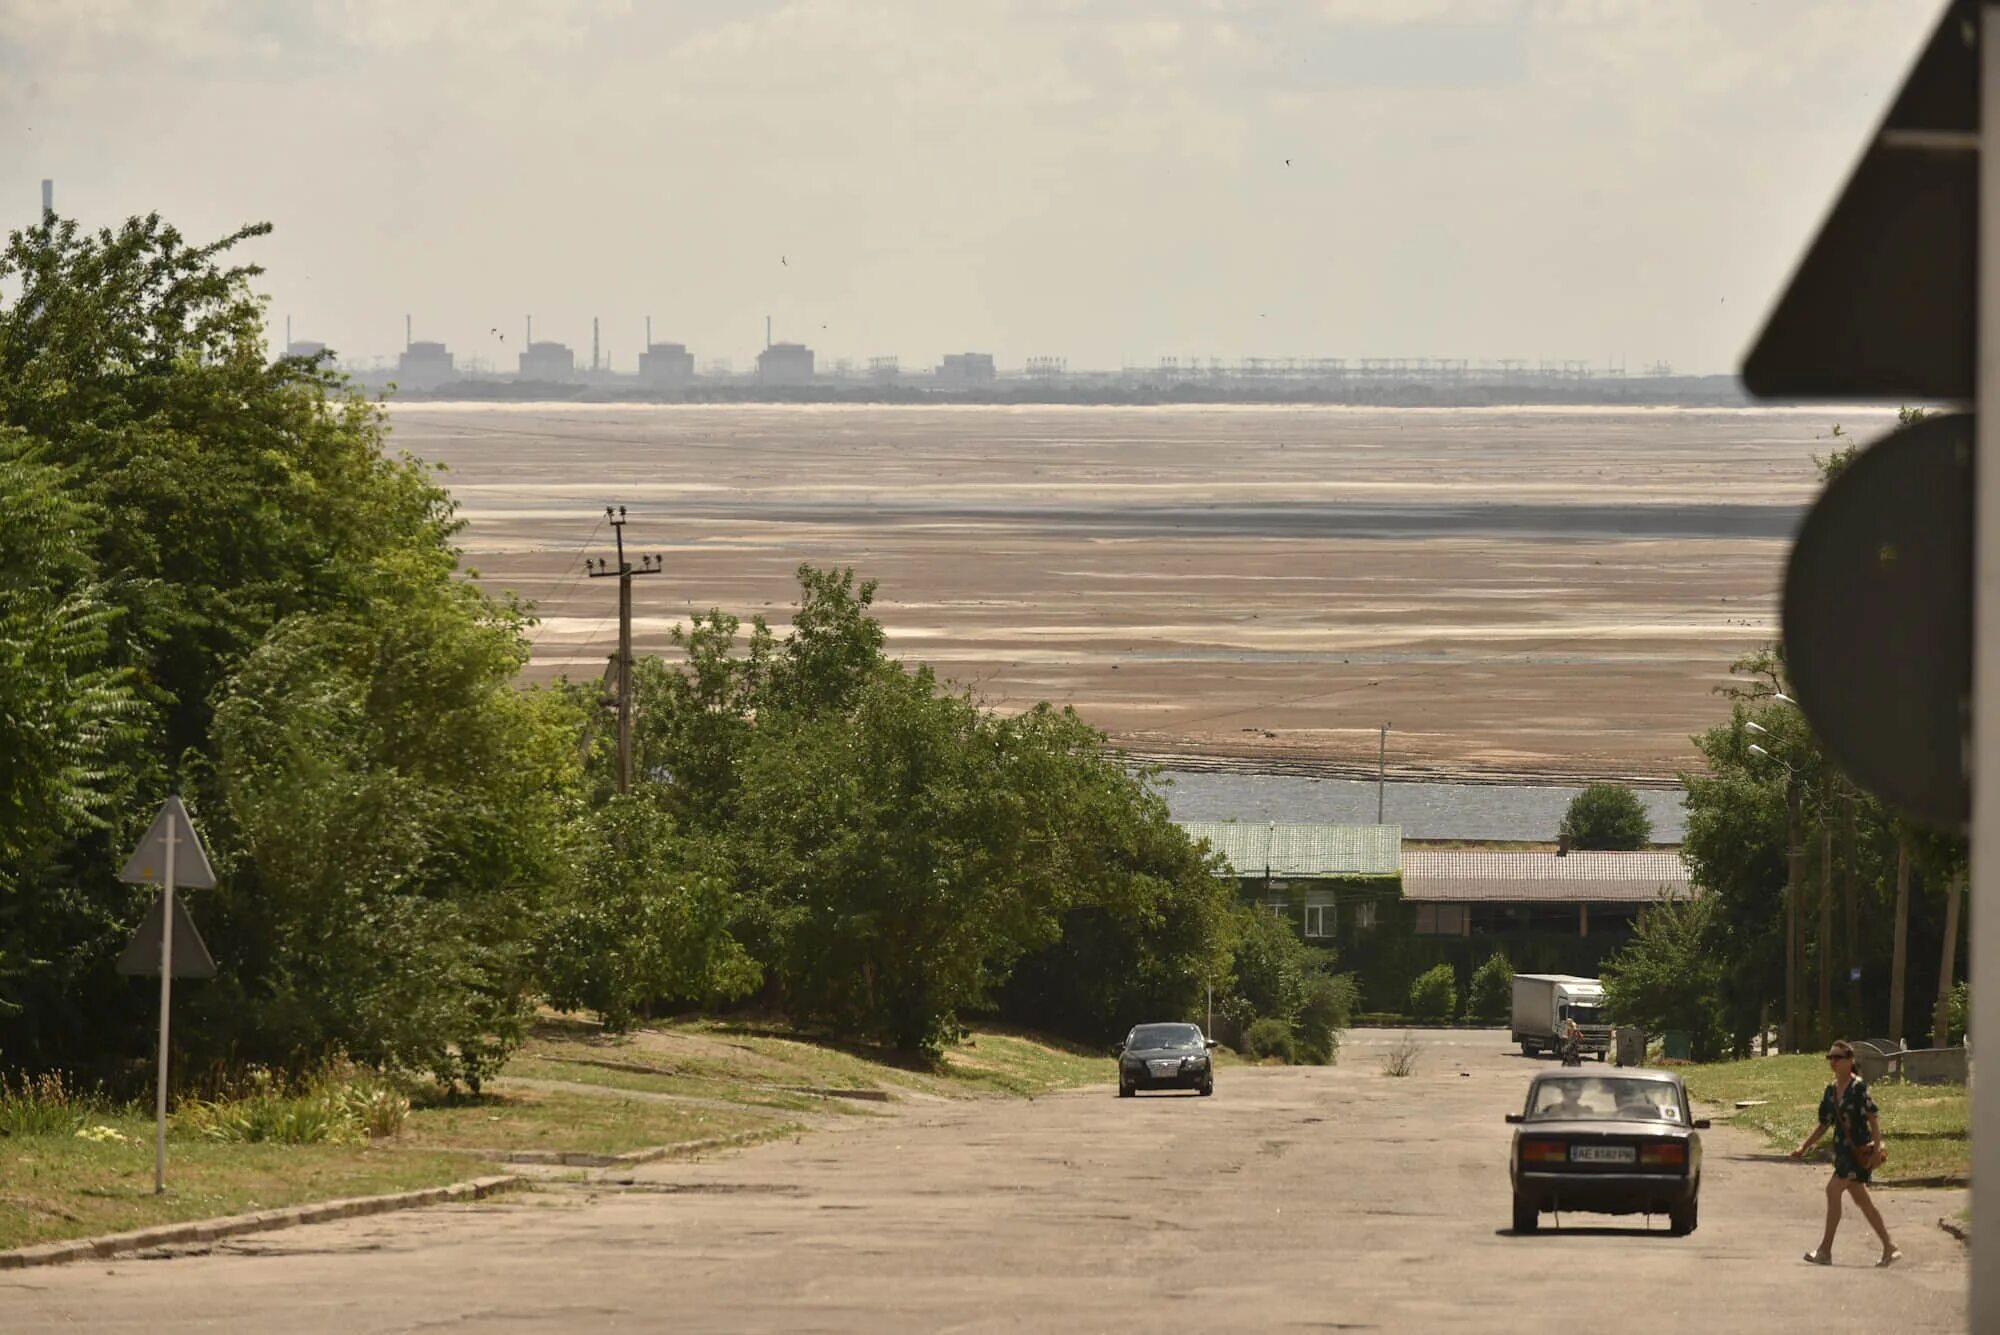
(1857, 1150)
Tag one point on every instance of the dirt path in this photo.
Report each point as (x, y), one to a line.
(1306, 1198)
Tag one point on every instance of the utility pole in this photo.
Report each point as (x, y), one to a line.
(624, 570)
(1826, 914)
(1381, 769)
(1795, 869)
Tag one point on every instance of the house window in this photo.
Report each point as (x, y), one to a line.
(1321, 919)
(1441, 919)
(1364, 915)
(1280, 908)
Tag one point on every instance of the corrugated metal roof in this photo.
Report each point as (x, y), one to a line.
(1578, 878)
(1253, 848)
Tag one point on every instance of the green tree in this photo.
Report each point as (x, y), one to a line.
(1666, 977)
(1434, 995)
(216, 496)
(879, 840)
(392, 806)
(1607, 816)
(63, 711)
(645, 922)
(1490, 993)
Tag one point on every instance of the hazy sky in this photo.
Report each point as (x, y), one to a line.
(1095, 179)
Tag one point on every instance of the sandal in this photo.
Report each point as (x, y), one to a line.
(1889, 1258)
(1819, 1258)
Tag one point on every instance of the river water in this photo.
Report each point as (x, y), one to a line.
(1424, 810)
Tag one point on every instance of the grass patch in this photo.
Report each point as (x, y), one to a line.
(55, 1184)
(770, 1064)
(60, 1186)
(594, 1124)
(1927, 1127)
(633, 1079)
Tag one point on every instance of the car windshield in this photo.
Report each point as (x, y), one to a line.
(1586, 1014)
(1604, 1098)
(1177, 1036)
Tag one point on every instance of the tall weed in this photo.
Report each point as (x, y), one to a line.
(45, 1105)
(339, 1105)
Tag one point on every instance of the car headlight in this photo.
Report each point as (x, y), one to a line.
(1194, 1061)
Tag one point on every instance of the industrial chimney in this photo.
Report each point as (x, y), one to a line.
(48, 196)
(406, 333)
(593, 343)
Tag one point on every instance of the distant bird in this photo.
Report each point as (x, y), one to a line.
(1288, 162)
(782, 260)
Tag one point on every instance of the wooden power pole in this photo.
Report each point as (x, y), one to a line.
(624, 570)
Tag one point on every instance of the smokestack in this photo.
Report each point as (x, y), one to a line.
(767, 331)
(288, 333)
(649, 333)
(406, 333)
(531, 331)
(48, 196)
(593, 343)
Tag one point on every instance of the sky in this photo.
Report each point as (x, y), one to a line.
(1617, 181)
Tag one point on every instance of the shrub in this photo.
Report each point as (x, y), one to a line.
(1401, 1058)
(1490, 994)
(1669, 977)
(1607, 816)
(1269, 1038)
(1960, 1011)
(1329, 1004)
(1434, 996)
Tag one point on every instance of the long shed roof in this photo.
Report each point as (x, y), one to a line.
(1255, 848)
(1445, 875)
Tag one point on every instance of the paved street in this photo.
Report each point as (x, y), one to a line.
(1294, 1199)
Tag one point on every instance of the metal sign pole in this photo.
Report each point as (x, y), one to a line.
(1984, 900)
(166, 1000)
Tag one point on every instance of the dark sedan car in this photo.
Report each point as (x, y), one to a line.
(1607, 1144)
(1165, 1056)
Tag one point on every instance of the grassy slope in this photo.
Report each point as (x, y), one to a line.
(1926, 1126)
(746, 1078)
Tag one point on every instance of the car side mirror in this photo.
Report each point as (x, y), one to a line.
(1515, 1119)
(1209, 1043)
(1701, 1124)
(1117, 1049)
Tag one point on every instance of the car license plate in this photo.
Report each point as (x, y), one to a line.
(1165, 1068)
(1603, 1154)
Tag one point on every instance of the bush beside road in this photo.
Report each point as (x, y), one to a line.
(1926, 1126)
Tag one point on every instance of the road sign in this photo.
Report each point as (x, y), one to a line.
(148, 863)
(191, 957)
(170, 855)
(1878, 619)
(1882, 305)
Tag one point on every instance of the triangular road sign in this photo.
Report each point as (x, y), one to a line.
(1882, 305)
(191, 957)
(148, 865)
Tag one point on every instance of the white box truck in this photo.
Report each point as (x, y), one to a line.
(1544, 1002)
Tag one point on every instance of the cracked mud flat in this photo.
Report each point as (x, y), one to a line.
(1519, 592)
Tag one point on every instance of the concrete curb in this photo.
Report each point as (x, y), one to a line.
(1958, 1228)
(262, 1221)
(582, 1159)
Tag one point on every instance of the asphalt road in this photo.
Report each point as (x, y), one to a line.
(1330, 1199)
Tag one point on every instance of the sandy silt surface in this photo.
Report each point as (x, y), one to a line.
(1547, 592)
